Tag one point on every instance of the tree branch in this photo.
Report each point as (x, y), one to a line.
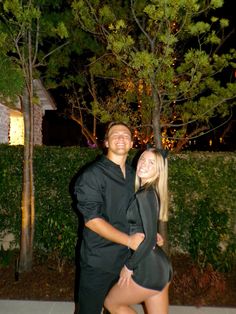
(51, 52)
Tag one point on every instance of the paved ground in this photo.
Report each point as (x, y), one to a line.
(42, 307)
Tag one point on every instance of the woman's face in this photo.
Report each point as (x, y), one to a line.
(147, 166)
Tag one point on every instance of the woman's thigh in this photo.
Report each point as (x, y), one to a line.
(128, 295)
(159, 303)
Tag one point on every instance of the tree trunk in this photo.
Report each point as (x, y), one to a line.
(156, 127)
(87, 134)
(156, 122)
(27, 206)
(28, 203)
(156, 119)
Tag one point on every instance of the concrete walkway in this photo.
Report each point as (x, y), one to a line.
(46, 307)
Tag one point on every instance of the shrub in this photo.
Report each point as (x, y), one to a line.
(201, 212)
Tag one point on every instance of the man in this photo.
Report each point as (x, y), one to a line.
(104, 191)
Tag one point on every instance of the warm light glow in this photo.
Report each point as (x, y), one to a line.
(16, 129)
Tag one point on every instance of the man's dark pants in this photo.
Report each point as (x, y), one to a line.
(94, 285)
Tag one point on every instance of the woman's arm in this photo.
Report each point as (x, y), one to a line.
(148, 208)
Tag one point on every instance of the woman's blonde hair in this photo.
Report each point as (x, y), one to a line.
(158, 182)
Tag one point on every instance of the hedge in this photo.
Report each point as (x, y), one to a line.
(202, 188)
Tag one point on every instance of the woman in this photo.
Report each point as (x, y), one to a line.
(147, 273)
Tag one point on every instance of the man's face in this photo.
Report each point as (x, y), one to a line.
(119, 140)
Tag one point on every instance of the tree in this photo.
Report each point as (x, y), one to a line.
(171, 59)
(12, 83)
(78, 89)
(78, 110)
(23, 28)
(168, 53)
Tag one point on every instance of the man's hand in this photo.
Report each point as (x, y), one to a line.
(107, 231)
(135, 240)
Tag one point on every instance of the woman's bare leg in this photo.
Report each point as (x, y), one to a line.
(119, 299)
(158, 303)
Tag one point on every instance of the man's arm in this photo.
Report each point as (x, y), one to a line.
(107, 231)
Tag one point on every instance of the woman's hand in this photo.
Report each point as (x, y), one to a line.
(160, 240)
(125, 276)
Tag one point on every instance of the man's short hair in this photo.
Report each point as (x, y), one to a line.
(111, 124)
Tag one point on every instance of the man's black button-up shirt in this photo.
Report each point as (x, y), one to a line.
(103, 192)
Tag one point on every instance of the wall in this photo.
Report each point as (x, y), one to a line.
(38, 117)
(4, 124)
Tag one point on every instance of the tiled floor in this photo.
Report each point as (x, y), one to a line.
(42, 307)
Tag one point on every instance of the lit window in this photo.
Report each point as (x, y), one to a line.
(16, 128)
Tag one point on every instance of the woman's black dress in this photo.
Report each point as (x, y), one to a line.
(151, 267)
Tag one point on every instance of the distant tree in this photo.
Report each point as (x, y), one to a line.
(23, 29)
(11, 83)
(166, 57)
(67, 75)
(78, 110)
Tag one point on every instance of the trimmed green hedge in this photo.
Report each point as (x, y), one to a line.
(202, 207)
(202, 201)
(56, 221)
